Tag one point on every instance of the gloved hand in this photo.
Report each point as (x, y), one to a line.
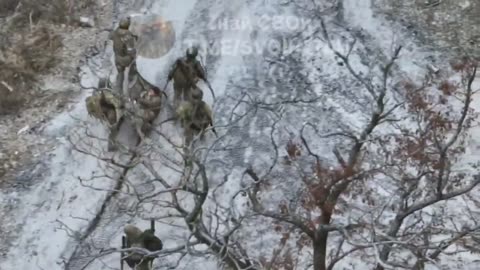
(132, 51)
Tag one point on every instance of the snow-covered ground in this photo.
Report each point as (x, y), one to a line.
(52, 217)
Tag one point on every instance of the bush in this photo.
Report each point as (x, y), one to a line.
(35, 11)
(39, 50)
(7, 7)
(32, 55)
(10, 102)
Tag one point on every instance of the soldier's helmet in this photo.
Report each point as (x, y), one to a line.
(124, 23)
(192, 52)
(197, 94)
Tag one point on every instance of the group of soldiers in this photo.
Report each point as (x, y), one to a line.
(144, 100)
(135, 238)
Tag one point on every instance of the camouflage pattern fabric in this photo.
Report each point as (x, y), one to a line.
(184, 113)
(194, 119)
(123, 47)
(145, 239)
(146, 111)
(99, 111)
(185, 75)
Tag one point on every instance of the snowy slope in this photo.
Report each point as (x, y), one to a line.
(56, 212)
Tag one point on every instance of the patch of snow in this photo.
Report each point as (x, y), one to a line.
(51, 213)
(86, 22)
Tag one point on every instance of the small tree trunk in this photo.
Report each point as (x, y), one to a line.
(320, 241)
(320, 251)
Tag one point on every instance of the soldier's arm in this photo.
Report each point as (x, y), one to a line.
(172, 70)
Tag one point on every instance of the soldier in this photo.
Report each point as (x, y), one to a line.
(147, 240)
(195, 116)
(124, 49)
(106, 106)
(185, 74)
(149, 107)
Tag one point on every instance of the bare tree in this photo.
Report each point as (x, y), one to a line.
(409, 146)
(179, 186)
(369, 189)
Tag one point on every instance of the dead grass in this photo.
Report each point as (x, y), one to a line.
(37, 11)
(10, 102)
(452, 26)
(38, 50)
(31, 12)
(24, 60)
(30, 44)
(7, 7)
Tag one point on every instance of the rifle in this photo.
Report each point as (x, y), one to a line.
(168, 120)
(210, 87)
(214, 131)
(122, 254)
(213, 128)
(182, 68)
(164, 89)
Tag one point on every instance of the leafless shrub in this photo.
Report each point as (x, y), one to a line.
(7, 7)
(38, 50)
(32, 55)
(34, 11)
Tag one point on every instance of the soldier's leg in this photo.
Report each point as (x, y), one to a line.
(186, 94)
(202, 135)
(112, 139)
(188, 136)
(120, 78)
(148, 127)
(177, 94)
(132, 71)
(139, 123)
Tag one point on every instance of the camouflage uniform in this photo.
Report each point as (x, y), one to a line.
(146, 239)
(185, 74)
(149, 107)
(124, 49)
(137, 84)
(195, 116)
(105, 106)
